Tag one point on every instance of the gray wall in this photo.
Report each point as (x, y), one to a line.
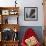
(37, 29)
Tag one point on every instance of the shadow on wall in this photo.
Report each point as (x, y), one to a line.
(37, 29)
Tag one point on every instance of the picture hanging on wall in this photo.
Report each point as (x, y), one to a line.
(30, 13)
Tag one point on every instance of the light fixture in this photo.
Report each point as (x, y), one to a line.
(15, 30)
(15, 3)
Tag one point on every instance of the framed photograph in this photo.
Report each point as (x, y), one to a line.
(5, 12)
(13, 20)
(10, 20)
(5, 20)
(30, 13)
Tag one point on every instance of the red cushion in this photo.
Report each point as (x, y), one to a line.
(29, 33)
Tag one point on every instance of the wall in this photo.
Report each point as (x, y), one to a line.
(30, 3)
(26, 3)
(36, 29)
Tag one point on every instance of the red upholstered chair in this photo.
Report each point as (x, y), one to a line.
(29, 33)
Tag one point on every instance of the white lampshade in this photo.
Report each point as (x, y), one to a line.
(15, 30)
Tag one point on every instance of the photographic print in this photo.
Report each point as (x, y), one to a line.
(31, 13)
(5, 12)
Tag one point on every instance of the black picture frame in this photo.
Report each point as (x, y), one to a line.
(30, 13)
